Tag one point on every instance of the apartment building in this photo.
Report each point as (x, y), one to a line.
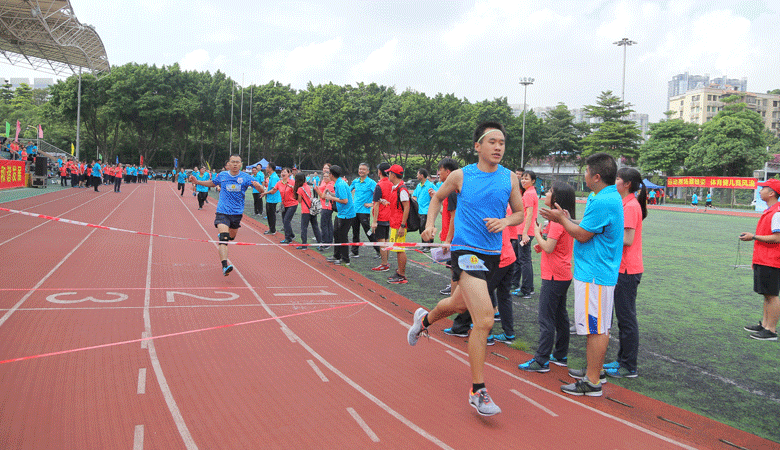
(701, 105)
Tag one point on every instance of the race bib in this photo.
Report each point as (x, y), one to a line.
(471, 263)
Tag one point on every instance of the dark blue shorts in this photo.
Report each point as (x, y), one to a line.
(232, 221)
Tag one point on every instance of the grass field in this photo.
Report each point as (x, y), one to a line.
(691, 305)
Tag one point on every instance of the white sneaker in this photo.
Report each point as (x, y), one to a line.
(482, 402)
(417, 329)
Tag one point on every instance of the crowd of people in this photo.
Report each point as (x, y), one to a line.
(83, 174)
(19, 152)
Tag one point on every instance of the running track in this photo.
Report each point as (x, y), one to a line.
(317, 356)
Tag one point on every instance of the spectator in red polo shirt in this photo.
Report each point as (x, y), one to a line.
(766, 262)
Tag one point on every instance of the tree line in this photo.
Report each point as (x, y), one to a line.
(164, 113)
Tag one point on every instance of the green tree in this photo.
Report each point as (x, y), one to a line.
(669, 144)
(561, 137)
(731, 144)
(614, 134)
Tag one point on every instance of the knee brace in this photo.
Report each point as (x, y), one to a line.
(223, 238)
(231, 238)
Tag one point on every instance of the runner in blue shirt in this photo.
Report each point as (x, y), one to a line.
(230, 208)
(203, 191)
(181, 179)
(484, 191)
(362, 189)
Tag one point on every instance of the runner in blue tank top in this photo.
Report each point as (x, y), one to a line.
(484, 190)
(230, 207)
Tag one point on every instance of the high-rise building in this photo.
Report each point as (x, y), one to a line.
(42, 83)
(701, 105)
(684, 82)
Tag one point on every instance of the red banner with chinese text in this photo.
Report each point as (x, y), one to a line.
(713, 182)
(11, 174)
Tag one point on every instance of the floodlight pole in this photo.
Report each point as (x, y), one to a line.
(241, 116)
(525, 82)
(249, 136)
(78, 118)
(625, 42)
(232, 92)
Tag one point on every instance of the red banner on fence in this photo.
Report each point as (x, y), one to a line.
(713, 182)
(11, 174)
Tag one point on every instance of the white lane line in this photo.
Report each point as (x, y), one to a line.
(142, 381)
(317, 371)
(374, 399)
(138, 438)
(363, 424)
(118, 308)
(62, 261)
(290, 335)
(145, 342)
(406, 324)
(296, 287)
(529, 400)
(458, 358)
(178, 419)
(301, 294)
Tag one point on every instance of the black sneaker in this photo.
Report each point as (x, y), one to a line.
(447, 290)
(356, 255)
(582, 387)
(451, 332)
(754, 328)
(579, 374)
(339, 262)
(331, 259)
(397, 279)
(764, 335)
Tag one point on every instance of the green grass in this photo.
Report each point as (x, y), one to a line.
(691, 305)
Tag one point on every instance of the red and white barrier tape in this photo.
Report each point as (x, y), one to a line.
(389, 245)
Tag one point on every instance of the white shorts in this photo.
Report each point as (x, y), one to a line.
(593, 307)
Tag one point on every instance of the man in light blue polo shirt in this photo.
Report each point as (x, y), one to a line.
(97, 174)
(345, 207)
(598, 249)
(272, 200)
(362, 189)
(422, 195)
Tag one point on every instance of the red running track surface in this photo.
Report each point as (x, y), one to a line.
(317, 357)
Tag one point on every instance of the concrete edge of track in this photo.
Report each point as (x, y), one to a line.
(618, 401)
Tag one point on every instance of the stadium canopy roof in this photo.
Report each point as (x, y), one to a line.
(46, 36)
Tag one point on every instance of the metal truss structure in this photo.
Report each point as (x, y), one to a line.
(45, 35)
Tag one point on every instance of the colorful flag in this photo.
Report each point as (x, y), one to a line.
(142, 160)
(117, 159)
(175, 162)
(72, 148)
(7, 129)
(40, 131)
(18, 129)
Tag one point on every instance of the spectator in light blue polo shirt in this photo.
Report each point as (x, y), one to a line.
(362, 189)
(345, 208)
(272, 200)
(598, 249)
(96, 174)
(422, 194)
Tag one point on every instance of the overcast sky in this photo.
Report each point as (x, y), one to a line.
(475, 49)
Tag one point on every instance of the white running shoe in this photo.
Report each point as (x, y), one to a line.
(417, 329)
(482, 402)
